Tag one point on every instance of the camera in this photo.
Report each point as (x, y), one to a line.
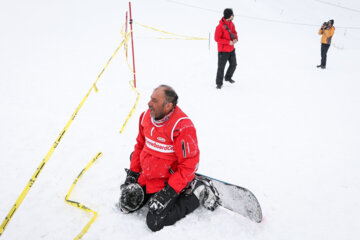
(325, 25)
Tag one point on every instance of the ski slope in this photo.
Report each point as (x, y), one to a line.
(286, 130)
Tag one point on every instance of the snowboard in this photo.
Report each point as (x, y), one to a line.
(236, 199)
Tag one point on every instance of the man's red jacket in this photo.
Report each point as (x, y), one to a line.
(222, 35)
(165, 153)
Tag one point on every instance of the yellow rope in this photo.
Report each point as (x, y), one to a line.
(133, 109)
(52, 149)
(126, 37)
(182, 37)
(79, 205)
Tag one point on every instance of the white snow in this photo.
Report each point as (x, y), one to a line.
(286, 130)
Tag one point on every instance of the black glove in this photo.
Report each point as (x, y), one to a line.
(162, 200)
(131, 177)
(131, 197)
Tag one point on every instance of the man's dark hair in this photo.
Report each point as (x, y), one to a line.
(228, 12)
(170, 95)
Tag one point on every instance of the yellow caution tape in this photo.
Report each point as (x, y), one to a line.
(182, 37)
(79, 205)
(133, 109)
(52, 149)
(126, 38)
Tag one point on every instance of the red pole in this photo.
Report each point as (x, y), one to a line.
(126, 25)
(132, 43)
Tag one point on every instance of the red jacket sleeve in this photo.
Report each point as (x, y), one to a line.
(140, 142)
(187, 152)
(235, 33)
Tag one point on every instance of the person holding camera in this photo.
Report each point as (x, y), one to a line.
(226, 37)
(327, 31)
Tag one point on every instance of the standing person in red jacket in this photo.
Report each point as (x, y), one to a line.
(163, 165)
(226, 37)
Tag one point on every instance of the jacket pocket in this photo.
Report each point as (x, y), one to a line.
(155, 168)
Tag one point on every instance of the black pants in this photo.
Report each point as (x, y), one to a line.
(182, 206)
(223, 57)
(324, 50)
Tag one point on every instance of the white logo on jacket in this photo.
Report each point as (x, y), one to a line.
(160, 147)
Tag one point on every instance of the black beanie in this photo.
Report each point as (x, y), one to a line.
(332, 21)
(228, 12)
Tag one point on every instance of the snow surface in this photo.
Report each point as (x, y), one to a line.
(286, 130)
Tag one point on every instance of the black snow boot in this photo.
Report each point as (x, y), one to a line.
(230, 80)
(205, 191)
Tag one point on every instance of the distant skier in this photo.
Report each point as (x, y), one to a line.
(327, 31)
(163, 165)
(226, 37)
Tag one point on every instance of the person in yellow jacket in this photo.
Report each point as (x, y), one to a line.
(327, 31)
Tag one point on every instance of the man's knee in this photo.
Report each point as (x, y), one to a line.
(233, 63)
(221, 66)
(154, 222)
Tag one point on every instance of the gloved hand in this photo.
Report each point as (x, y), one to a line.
(131, 177)
(162, 199)
(131, 197)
